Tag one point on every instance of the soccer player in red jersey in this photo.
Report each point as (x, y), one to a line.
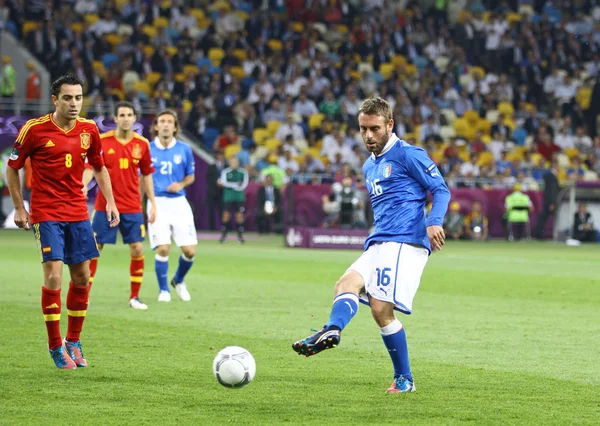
(125, 155)
(58, 145)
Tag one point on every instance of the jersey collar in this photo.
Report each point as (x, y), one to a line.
(390, 143)
(160, 145)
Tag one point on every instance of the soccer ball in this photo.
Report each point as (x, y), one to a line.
(234, 367)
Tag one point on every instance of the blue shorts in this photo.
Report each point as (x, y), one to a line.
(131, 226)
(71, 242)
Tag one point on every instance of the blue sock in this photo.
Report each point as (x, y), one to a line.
(344, 308)
(394, 338)
(161, 266)
(184, 266)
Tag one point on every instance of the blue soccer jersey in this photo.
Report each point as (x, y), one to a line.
(398, 180)
(171, 164)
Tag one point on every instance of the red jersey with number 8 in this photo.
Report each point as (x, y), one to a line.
(124, 161)
(57, 162)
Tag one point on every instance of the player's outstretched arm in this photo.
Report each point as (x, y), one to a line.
(14, 187)
(103, 180)
(148, 188)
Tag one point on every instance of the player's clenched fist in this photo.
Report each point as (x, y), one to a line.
(436, 236)
(22, 218)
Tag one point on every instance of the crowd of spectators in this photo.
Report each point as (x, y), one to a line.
(493, 90)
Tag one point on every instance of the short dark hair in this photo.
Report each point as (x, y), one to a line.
(124, 104)
(70, 79)
(376, 106)
(170, 112)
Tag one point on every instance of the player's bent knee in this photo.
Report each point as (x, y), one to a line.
(163, 250)
(351, 282)
(383, 312)
(189, 251)
(136, 249)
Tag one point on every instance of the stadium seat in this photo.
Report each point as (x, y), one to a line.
(584, 97)
(464, 80)
(365, 67)
(187, 105)
(571, 152)
(449, 114)
(447, 132)
(298, 27)
(484, 126)
(216, 55)
(399, 61)
(204, 62)
(386, 70)
(149, 50)
(506, 108)
(513, 17)
(275, 45)
(113, 39)
(242, 15)
(460, 125)
(77, 27)
(485, 159)
(315, 121)
(472, 117)
(90, 19)
(342, 29)
(231, 150)
(161, 22)
(198, 14)
(142, 87)
(272, 127)
(492, 115)
(486, 139)
(314, 152)
(478, 71)
(210, 135)
(28, 26)
(260, 135)
(519, 135)
(590, 175)
(272, 144)
(150, 31)
(108, 59)
(441, 63)
(241, 54)
(238, 72)
(204, 23)
(172, 50)
(191, 69)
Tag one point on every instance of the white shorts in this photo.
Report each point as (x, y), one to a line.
(392, 273)
(174, 218)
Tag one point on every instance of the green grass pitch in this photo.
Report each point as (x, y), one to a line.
(500, 334)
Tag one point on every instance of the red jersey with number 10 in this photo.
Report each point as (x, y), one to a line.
(57, 162)
(124, 161)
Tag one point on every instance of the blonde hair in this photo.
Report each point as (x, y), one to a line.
(376, 106)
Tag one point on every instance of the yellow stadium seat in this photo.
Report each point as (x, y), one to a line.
(91, 19)
(584, 97)
(187, 105)
(242, 15)
(356, 75)
(149, 30)
(172, 50)
(298, 27)
(536, 157)
(507, 109)
(238, 72)
(149, 50)
(514, 155)
(260, 135)
(571, 152)
(460, 125)
(485, 159)
(28, 26)
(77, 27)
(204, 23)
(161, 22)
(471, 116)
(386, 70)
(484, 126)
(153, 78)
(486, 16)
(113, 39)
(221, 4)
(180, 77)
(513, 17)
(216, 55)
(121, 3)
(118, 93)
(191, 69)
(399, 60)
(411, 69)
(272, 127)
(437, 156)
(486, 139)
(275, 45)
(241, 54)
(342, 29)
(142, 87)
(477, 70)
(315, 121)
(272, 144)
(465, 156)
(231, 150)
(198, 14)
(314, 152)
(510, 123)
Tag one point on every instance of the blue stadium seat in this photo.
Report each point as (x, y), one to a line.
(210, 135)
(109, 59)
(204, 62)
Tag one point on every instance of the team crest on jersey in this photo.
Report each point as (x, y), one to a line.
(137, 151)
(387, 170)
(85, 140)
(177, 159)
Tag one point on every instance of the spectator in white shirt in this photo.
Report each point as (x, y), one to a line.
(352, 103)
(430, 128)
(295, 84)
(470, 168)
(290, 128)
(287, 161)
(106, 25)
(566, 91)
(340, 148)
(563, 138)
(552, 81)
(83, 7)
(264, 86)
(582, 141)
(304, 106)
(289, 146)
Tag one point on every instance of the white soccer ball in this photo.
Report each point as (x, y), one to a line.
(234, 367)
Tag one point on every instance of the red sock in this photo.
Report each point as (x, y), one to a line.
(136, 269)
(93, 267)
(77, 301)
(51, 311)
